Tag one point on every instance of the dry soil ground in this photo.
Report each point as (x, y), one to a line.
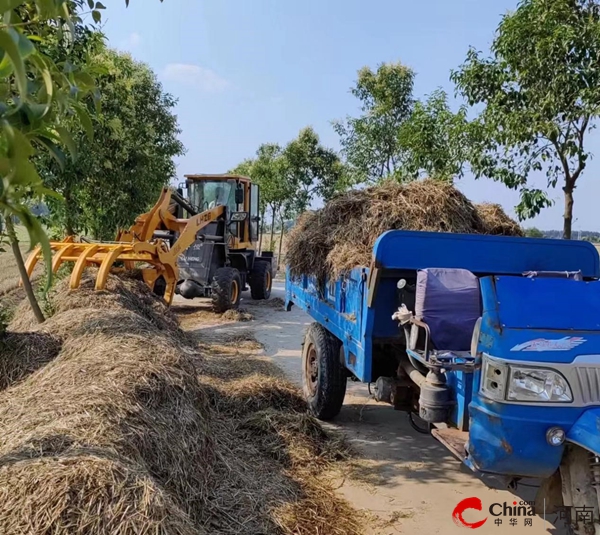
(405, 481)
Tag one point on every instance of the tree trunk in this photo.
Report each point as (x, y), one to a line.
(568, 223)
(14, 243)
(262, 231)
(271, 244)
(69, 213)
(280, 241)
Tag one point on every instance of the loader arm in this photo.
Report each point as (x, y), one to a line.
(135, 246)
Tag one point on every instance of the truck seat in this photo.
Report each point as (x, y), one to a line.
(449, 302)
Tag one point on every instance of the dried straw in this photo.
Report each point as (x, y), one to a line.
(129, 430)
(341, 235)
(495, 221)
(23, 353)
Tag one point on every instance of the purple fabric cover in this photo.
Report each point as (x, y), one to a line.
(448, 301)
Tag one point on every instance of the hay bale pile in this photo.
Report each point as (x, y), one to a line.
(128, 429)
(341, 235)
(112, 435)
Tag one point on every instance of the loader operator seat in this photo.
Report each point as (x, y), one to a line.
(449, 302)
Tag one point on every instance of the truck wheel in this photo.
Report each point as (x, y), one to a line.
(323, 377)
(226, 289)
(261, 280)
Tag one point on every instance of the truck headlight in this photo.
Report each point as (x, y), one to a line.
(536, 384)
(500, 381)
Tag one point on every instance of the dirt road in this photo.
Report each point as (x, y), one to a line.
(407, 482)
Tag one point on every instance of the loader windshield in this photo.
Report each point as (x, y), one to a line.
(208, 194)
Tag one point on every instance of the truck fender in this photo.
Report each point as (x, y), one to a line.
(585, 432)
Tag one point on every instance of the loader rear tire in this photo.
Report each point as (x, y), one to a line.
(323, 377)
(261, 280)
(226, 289)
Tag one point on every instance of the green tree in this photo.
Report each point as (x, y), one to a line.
(534, 232)
(312, 170)
(434, 139)
(268, 170)
(370, 142)
(35, 92)
(541, 92)
(120, 173)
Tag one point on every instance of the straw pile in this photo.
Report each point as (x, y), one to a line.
(125, 428)
(496, 222)
(23, 353)
(111, 436)
(277, 455)
(341, 235)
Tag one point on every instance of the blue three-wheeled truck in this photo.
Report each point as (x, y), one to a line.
(492, 342)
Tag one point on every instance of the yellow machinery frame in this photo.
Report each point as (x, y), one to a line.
(137, 245)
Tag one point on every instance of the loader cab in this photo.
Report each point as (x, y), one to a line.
(224, 261)
(238, 195)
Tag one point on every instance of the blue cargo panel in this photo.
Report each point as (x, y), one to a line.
(550, 304)
(498, 255)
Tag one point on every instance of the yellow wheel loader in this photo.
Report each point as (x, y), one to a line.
(200, 246)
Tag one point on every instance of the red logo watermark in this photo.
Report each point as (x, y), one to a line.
(467, 503)
(513, 514)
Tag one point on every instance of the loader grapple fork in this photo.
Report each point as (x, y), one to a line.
(136, 247)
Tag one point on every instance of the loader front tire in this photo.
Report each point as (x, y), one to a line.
(261, 280)
(226, 289)
(323, 377)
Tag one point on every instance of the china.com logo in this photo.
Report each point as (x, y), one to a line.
(513, 511)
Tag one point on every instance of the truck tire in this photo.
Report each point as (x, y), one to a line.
(261, 280)
(323, 377)
(226, 289)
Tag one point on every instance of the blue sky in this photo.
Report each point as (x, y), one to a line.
(253, 71)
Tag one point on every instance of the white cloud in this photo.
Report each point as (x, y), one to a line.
(204, 79)
(132, 42)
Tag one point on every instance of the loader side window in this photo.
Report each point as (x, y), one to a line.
(254, 215)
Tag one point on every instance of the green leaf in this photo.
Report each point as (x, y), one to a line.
(84, 80)
(47, 8)
(97, 16)
(91, 3)
(7, 5)
(6, 66)
(12, 51)
(43, 69)
(100, 5)
(67, 139)
(54, 150)
(26, 47)
(85, 119)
